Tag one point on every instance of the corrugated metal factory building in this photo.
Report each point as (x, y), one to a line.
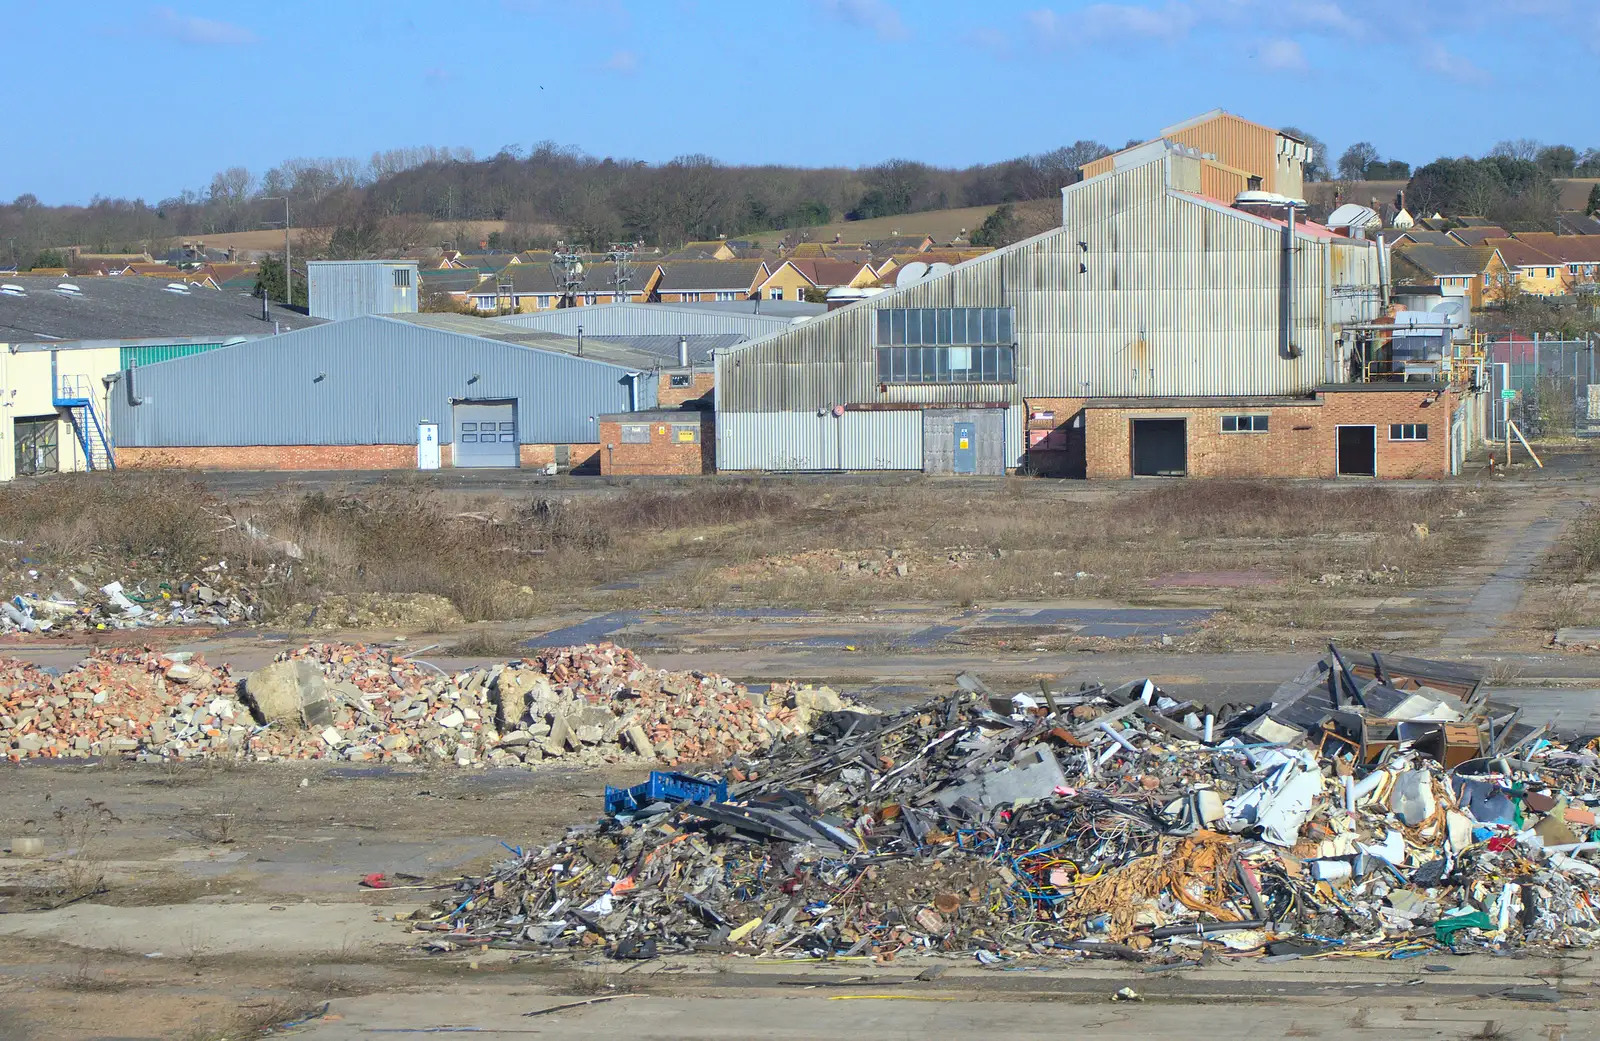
(1148, 291)
(339, 289)
(353, 394)
(646, 320)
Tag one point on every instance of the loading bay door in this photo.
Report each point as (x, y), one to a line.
(1160, 447)
(38, 445)
(486, 434)
(1358, 451)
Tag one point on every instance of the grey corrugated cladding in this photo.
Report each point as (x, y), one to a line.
(340, 289)
(1147, 290)
(645, 320)
(379, 378)
(128, 306)
(790, 441)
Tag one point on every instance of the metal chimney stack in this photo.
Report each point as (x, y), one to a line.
(683, 352)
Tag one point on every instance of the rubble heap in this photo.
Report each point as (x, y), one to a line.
(1376, 806)
(588, 705)
(212, 598)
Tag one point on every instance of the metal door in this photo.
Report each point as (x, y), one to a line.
(964, 457)
(38, 447)
(427, 446)
(1356, 448)
(486, 434)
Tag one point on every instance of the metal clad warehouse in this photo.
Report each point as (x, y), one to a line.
(362, 382)
(1148, 291)
(646, 320)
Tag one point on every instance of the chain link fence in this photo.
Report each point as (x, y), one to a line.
(1553, 387)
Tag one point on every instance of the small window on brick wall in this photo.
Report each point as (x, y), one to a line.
(1408, 431)
(1244, 424)
(682, 381)
(635, 433)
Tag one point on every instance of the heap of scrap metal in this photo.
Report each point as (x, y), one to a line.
(1120, 822)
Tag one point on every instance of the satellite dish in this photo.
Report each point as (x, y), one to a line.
(911, 274)
(938, 267)
(1352, 215)
(1454, 308)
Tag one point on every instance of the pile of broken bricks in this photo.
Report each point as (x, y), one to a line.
(579, 705)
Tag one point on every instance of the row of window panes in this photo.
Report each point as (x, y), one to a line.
(1408, 431)
(945, 365)
(937, 326)
(1244, 424)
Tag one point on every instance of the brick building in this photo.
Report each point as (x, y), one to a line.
(664, 442)
(1161, 330)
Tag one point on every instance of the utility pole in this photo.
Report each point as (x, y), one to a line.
(288, 269)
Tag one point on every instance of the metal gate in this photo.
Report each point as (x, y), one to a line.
(486, 434)
(38, 445)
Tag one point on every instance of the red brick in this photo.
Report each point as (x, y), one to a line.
(662, 455)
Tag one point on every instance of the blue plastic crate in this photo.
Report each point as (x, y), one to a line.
(665, 786)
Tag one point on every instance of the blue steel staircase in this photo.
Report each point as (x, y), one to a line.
(73, 393)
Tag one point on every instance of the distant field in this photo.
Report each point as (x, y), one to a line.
(943, 225)
(437, 232)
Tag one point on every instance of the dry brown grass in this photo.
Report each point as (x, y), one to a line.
(509, 557)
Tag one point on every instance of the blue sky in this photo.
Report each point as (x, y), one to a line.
(151, 98)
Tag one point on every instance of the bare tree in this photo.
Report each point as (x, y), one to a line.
(1355, 160)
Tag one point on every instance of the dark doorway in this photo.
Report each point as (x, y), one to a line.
(1358, 451)
(38, 448)
(1160, 448)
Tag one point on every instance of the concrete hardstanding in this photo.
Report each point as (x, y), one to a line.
(366, 381)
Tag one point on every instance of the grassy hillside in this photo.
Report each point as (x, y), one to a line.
(943, 225)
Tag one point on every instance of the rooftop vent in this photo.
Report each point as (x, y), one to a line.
(12, 289)
(69, 289)
(177, 287)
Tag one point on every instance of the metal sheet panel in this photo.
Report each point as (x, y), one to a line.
(808, 441)
(485, 434)
(646, 320)
(339, 289)
(1142, 292)
(363, 381)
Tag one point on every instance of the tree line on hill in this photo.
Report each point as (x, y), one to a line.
(552, 192)
(544, 194)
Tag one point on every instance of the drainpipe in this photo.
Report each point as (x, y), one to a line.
(1286, 345)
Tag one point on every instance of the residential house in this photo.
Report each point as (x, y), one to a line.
(901, 244)
(711, 250)
(489, 263)
(691, 281)
(1477, 235)
(193, 254)
(1579, 253)
(1228, 146)
(532, 287)
(1576, 222)
(455, 283)
(790, 279)
(1479, 270)
(1423, 237)
(1532, 270)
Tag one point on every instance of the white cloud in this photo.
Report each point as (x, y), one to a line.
(1440, 59)
(1283, 56)
(199, 32)
(623, 63)
(879, 16)
(1111, 22)
(1326, 16)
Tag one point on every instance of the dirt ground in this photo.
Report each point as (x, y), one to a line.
(205, 900)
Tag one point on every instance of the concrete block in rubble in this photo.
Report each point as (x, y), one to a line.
(640, 741)
(560, 734)
(513, 689)
(289, 692)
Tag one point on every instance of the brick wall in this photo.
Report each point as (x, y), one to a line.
(663, 455)
(276, 457)
(1301, 440)
(328, 457)
(1054, 445)
(701, 385)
